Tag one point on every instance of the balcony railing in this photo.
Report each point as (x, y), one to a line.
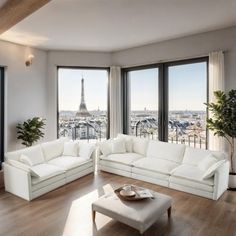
(85, 131)
(191, 136)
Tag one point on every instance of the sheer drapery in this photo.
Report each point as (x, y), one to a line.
(216, 82)
(115, 101)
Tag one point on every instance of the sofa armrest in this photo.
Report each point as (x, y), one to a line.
(221, 179)
(17, 181)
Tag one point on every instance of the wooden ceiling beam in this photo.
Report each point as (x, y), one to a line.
(14, 11)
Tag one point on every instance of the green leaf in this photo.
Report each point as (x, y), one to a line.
(30, 131)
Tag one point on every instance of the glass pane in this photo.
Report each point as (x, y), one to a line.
(143, 103)
(82, 104)
(187, 112)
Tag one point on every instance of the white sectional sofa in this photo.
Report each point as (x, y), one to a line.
(34, 171)
(200, 172)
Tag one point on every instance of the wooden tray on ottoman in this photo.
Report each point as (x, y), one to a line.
(137, 196)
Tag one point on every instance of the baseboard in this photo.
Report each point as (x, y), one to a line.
(1, 179)
(231, 189)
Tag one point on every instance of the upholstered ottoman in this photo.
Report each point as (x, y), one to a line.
(137, 214)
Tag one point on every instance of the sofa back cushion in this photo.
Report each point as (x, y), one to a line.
(86, 150)
(193, 156)
(140, 145)
(105, 147)
(207, 162)
(118, 146)
(126, 136)
(53, 149)
(110, 146)
(168, 151)
(71, 148)
(34, 154)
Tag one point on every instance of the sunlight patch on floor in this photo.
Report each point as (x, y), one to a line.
(79, 219)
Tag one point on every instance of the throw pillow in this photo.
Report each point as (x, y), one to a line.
(86, 150)
(128, 141)
(26, 160)
(70, 149)
(207, 162)
(118, 146)
(211, 171)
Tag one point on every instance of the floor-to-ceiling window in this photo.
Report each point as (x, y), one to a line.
(143, 102)
(165, 101)
(2, 115)
(82, 103)
(187, 95)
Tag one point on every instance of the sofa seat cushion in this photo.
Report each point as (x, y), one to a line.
(115, 165)
(155, 165)
(124, 158)
(192, 173)
(82, 167)
(166, 151)
(39, 183)
(196, 185)
(151, 174)
(45, 171)
(67, 162)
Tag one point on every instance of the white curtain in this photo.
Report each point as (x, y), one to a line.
(115, 101)
(216, 82)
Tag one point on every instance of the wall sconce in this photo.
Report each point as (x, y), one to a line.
(29, 61)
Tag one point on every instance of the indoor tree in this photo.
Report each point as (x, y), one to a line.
(223, 120)
(30, 131)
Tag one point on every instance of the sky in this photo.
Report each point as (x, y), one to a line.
(69, 89)
(187, 88)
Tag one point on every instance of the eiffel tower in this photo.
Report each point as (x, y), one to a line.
(83, 112)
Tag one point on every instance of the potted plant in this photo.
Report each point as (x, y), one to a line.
(30, 131)
(223, 124)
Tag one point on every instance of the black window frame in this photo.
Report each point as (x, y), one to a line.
(125, 88)
(2, 103)
(163, 93)
(108, 92)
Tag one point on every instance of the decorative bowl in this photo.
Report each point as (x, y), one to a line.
(127, 193)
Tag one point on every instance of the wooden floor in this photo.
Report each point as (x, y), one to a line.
(67, 211)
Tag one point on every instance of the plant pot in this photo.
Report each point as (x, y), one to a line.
(232, 181)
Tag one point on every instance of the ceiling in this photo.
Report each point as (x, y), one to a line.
(111, 25)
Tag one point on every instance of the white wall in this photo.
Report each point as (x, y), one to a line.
(186, 47)
(25, 93)
(67, 58)
(32, 91)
